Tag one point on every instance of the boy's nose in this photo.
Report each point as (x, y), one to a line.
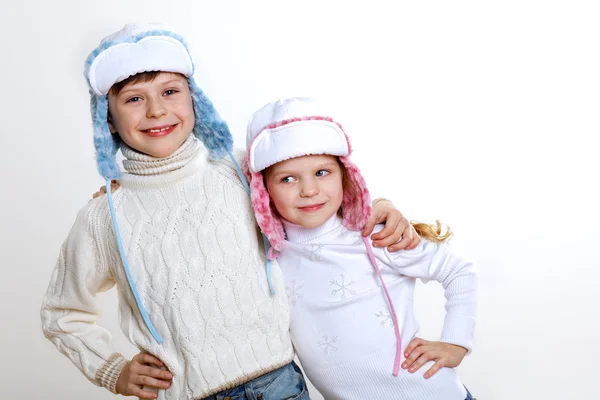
(156, 109)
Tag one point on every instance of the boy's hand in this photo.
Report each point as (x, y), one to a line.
(420, 351)
(143, 371)
(396, 227)
(114, 185)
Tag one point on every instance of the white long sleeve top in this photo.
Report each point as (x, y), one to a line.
(340, 318)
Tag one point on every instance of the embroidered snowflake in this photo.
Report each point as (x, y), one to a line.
(294, 292)
(342, 287)
(328, 345)
(313, 252)
(385, 318)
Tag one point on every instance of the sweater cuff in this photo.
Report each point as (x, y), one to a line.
(458, 330)
(109, 372)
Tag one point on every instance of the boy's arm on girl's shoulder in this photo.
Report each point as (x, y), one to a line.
(431, 261)
(397, 234)
(70, 311)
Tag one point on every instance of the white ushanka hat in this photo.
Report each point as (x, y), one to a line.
(291, 128)
(141, 48)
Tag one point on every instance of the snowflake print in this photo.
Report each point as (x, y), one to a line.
(353, 237)
(328, 345)
(294, 292)
(385, 318)
(342, 287)
(313, 252)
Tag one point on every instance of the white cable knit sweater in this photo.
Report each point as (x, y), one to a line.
(195, 254)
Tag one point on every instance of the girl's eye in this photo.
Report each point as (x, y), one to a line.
(170, 92)
(134, 99)
(322, 172)
(287, 179)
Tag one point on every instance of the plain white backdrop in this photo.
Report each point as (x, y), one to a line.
(482, 114)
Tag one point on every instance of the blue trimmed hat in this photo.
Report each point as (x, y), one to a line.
(143, 48)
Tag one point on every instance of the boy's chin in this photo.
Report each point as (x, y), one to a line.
(164, 150)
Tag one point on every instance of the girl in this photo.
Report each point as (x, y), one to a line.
(351, 304)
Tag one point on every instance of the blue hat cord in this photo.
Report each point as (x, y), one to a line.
(134, 290)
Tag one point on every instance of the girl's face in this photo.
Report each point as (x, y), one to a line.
(306, 190)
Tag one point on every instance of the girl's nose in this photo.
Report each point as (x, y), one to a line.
(309, 188)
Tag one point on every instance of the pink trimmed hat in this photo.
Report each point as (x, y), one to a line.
(292, 128)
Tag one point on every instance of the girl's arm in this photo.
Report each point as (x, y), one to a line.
(431, 261)
(458, 277)
(70, 311)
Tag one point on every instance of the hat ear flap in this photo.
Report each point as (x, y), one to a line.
(356, 204)
(106, 144)
(267, 217)
(208, 126)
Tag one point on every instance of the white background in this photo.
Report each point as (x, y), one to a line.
(482, 114)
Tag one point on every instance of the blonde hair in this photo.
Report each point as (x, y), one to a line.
(437, 233)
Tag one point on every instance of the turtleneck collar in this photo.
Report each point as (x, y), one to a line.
(137, 163)
(298, 234)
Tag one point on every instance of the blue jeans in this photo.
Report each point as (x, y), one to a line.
(285, 383)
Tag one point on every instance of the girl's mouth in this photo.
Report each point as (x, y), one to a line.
(314, 207)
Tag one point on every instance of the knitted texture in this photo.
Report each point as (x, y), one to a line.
(191, 241)
(109, 373)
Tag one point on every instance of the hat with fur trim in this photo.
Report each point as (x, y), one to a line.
(142, 48)
(292, 128)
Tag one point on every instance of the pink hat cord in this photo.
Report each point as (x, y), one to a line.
(398, 356)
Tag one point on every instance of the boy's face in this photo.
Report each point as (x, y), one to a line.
(155, 117)
(307, 190)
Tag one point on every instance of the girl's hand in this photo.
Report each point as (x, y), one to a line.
(396, 227)
(420, 351)
(143, 371)
(114, 185)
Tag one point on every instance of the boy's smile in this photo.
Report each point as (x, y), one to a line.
(153, 117)
(159, 130)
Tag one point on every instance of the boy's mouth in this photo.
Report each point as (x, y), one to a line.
(159, 130)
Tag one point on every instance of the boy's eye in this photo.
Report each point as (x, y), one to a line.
(134, 99)
(322, 172)
(170, 92)
(287, 179)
